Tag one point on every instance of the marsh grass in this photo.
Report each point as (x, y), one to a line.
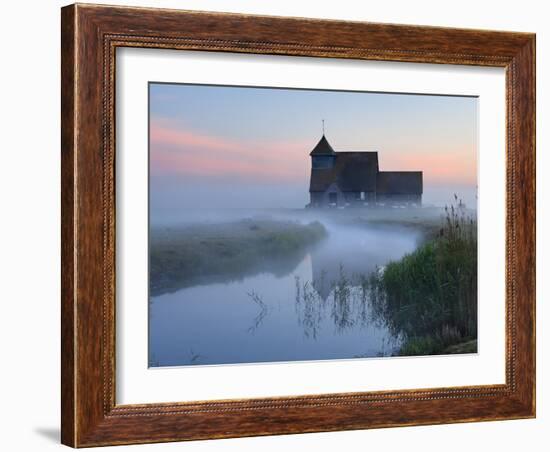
(348, 306)
(192, 255)
(263, 311)
(309, 308)
(430, 295)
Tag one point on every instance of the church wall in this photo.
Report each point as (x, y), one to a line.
(399, 199)
(343, 199)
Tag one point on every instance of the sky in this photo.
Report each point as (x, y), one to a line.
(242, 147)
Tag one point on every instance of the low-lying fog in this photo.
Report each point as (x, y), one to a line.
(280, 309)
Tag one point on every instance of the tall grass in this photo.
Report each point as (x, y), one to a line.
(430, 295)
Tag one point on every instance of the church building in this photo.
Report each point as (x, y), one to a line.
(353, 179)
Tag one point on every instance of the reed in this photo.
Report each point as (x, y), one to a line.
(430, 295)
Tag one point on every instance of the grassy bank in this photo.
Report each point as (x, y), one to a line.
(181, 257)
(430, 296)
(426, 220)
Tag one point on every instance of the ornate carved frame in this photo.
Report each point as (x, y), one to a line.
(90, 36)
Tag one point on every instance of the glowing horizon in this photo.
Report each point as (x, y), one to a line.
(243, 139)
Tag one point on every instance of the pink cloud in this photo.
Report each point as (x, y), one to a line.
(178, 150)
(163, 134)
(439, 167)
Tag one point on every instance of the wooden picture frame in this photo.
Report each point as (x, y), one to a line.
(90, 35)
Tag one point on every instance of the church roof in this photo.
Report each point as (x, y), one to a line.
(399, 182)
(352, 171)
(322, 148)
(359, 172)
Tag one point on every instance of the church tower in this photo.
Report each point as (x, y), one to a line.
(323, 159)
(322, 155)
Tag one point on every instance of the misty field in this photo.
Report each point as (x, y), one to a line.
(188, 255)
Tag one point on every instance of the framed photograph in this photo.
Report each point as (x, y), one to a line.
(281, 225)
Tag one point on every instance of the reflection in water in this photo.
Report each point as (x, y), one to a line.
(347, 300)
(264, 309)
(318, 309)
